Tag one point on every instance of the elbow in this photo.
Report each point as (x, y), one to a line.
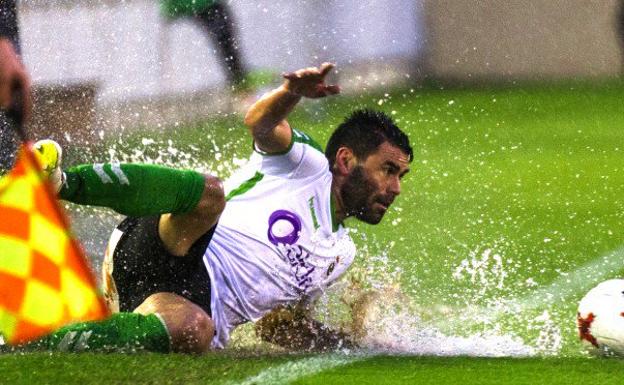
(254, 125)
(250, 120)
(254, 117)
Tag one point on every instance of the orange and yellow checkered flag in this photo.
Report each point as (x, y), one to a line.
(45, 281)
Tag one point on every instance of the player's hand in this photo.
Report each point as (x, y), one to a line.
(14, 82)
(310, 82)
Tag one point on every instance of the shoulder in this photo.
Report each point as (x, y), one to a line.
(303, 158)
(298, 137)
(305, 139)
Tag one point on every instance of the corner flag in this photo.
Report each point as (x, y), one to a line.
(45, 281)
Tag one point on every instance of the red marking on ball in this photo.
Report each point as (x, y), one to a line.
(584, 326)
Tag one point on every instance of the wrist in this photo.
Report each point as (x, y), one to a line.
(287, 89)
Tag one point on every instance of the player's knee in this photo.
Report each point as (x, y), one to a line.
(212, 201)
(194, 334)
(189, 327)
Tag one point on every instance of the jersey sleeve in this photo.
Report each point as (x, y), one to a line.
(303, 159)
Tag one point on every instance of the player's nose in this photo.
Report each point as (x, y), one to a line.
(394, 186)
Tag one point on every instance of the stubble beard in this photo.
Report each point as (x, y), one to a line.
(358, 197)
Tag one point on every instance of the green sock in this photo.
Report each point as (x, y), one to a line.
(133, 189)
(122, 332)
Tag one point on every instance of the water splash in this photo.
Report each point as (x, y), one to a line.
(492, 317)
(483, 271)
(93, 225)
(390, 325)
(495, 318)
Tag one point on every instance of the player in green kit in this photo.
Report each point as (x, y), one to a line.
(185, 268)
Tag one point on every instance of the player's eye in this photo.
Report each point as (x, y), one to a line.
(390, 169)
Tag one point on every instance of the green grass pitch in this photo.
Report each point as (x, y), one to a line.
(514, 208)
(229, 369)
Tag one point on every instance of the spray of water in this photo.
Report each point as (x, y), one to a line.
(494, 319)
(384, 318)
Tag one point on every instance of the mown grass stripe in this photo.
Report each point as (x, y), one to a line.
(577, 282)
(291, 371)
(569, 284)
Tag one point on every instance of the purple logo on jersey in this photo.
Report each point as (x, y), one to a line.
(288, 216)
(296, 256)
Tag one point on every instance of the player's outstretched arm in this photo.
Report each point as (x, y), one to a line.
(266, 118)
(293, 329)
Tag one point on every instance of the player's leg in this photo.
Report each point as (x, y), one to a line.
(217, 21)
(196, 202)
(189, 327)
(191, 202)
(164, 323)
(164, 300)
(142, 275)
(179, 231)
(133, 189)
(130, 189)
(122, 332)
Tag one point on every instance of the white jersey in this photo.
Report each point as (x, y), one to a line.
(275, 243)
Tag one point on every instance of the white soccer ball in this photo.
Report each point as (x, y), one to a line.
(600, 318)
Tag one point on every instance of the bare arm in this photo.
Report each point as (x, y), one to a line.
(294, 329)
(266, 118)
(14, 81)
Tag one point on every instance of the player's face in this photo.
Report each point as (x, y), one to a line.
(373, 184)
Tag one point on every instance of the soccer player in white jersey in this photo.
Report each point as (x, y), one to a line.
(194, 259)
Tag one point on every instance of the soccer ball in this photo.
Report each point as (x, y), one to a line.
(600, 318)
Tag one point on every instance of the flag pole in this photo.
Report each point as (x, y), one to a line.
(77, 301)
(15, 116)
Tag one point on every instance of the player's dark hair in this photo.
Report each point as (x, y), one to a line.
(365, 130)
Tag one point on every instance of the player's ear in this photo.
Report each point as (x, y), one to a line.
(345, 160)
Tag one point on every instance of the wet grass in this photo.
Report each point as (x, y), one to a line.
(524, 182)
(469, 371)
(529, 174)
(229, 369)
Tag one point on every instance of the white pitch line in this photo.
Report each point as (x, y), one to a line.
(291, 371)
(562, 288)
(577, 281)
(568, 284)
